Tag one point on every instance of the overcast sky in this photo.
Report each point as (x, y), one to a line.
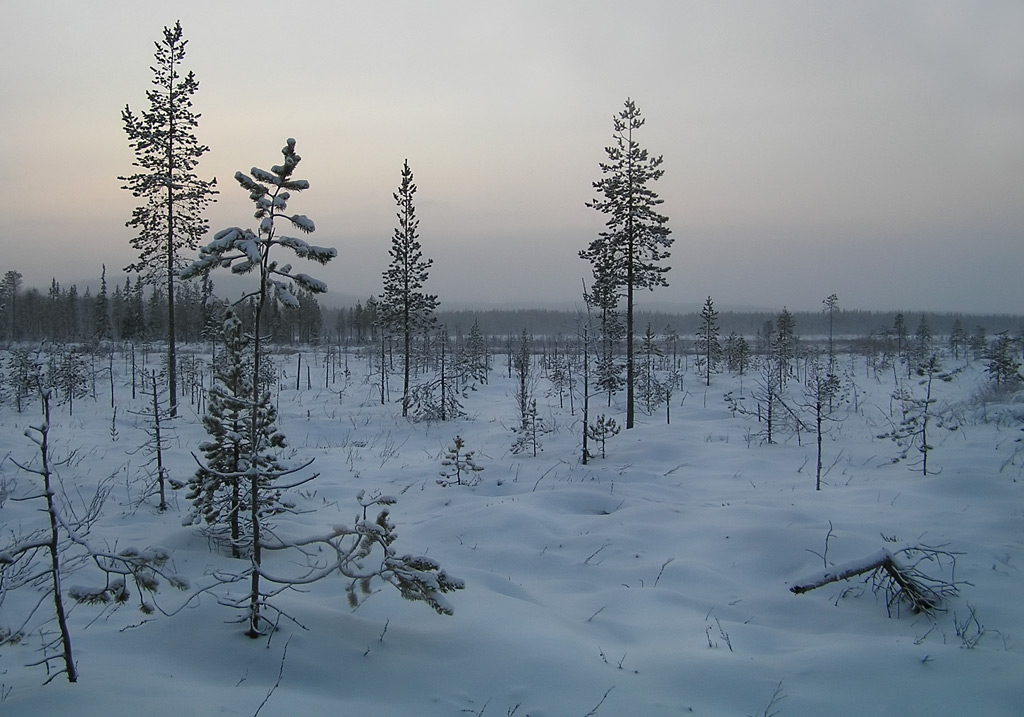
(870, 149)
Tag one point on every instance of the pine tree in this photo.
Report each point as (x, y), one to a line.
(708, 343)
(174, 197)
(601, 430)
(475, 357)
(627, 255)
(921, 413)
(531, 427)
(405, 308)
(460, 465)
(349, 548)
(246, 251)
(649, 388)
(821, 389)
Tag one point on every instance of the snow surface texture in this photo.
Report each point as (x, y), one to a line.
(654, 582)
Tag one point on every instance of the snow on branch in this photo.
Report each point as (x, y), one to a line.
(303, 223)
(261, 175)
(256, 190)
(897, 573)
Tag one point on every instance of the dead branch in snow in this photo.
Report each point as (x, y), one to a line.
(898, 573)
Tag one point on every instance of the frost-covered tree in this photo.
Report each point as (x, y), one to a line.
(362, 551)
(821, 389)
(529, 431)
(405, 308)
(708, 341)
(41, 558)
(437, 398)
(522, 367)
(601, 430)
(155, 418)
(767, 397)
(627, 256)
(22, 377)
(474, 358)
(921, 415)
(167, 152)
(737, 353)
(246, 251)
(1003, 366)
(649, 388)
(460, 466)
(68, 374)
(603, 298)
(218, 491)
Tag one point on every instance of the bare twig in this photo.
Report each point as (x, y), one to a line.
(277, 683)
(593, 712)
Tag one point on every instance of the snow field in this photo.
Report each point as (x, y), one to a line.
(660, 573)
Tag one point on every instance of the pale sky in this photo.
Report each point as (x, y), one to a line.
(870, 149)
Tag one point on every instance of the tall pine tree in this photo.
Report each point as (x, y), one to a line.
(628, 254)
(167, 152)
(405, 308)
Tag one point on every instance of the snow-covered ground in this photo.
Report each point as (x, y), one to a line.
(652, 582)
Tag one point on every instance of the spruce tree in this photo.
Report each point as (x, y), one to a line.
(405, 308)
(627, 256)
(167, 152)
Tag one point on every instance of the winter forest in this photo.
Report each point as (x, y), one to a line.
(225, 501)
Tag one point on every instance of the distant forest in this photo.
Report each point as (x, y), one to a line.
(848, 324)
(134, 311)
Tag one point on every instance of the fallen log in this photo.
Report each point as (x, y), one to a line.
(900, 582)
